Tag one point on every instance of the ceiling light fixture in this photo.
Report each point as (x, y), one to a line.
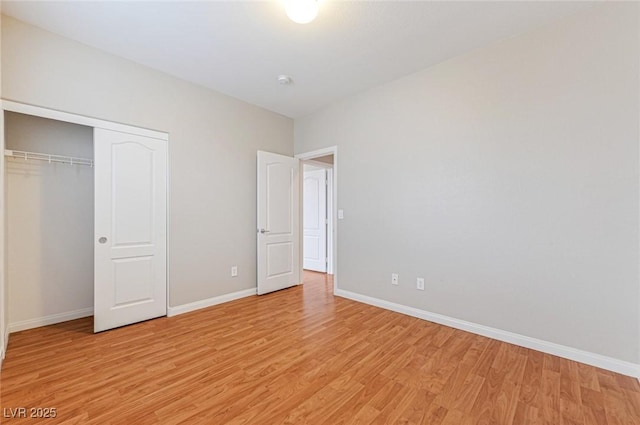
(301, 11)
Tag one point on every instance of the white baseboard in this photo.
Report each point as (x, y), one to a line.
(3, 349)
(604, 362)
(186, 308)
(49, 320)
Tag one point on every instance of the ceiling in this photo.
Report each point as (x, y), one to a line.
(239, 48)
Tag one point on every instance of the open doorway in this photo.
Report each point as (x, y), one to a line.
(318, 213)
(317, 223)
(280, 218)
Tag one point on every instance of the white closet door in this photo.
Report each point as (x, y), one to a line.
(130, 229)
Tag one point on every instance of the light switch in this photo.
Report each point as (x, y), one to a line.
(340, 214)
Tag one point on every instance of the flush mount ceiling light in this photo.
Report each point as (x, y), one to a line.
(301, 11)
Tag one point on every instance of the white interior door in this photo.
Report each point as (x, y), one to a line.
(130, 229)
(278, 222)
(314, 220)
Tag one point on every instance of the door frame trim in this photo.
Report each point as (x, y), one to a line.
(53, 114)
(306, 156)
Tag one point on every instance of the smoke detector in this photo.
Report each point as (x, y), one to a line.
(285, 80)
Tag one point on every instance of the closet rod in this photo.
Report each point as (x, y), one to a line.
(48, 157)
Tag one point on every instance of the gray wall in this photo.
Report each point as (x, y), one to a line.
(212, 147)
(507, 178)
(49, 220)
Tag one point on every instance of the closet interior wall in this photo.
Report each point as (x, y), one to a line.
(49, 223)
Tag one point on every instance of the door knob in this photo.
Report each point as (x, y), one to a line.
(263, 231)
(102, 240)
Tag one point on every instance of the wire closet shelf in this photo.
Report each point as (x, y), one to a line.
(49, 157)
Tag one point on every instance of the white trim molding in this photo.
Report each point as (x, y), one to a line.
(318, 164)
(305, 156)
(49, 320)
(23, 108)
(604, 362)
(209, 302)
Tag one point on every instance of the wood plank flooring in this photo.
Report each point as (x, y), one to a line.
(301, 356)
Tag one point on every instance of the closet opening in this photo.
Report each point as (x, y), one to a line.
(49, 189)
(85, 219)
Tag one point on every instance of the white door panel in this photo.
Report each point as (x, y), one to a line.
(279, 259)
(277, 219)
(133, 280)
(130, 229)
(133, 209)
(315, 220)
(279, 197)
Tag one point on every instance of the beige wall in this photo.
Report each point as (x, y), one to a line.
(507, 178)
(212, 147)
(49, 220)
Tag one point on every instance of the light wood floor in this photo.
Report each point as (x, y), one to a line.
(301, 356)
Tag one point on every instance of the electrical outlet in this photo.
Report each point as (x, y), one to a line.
(420, 283)
(394, 278)
(234, 271)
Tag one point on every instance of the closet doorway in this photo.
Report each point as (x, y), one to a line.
(86, 219)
